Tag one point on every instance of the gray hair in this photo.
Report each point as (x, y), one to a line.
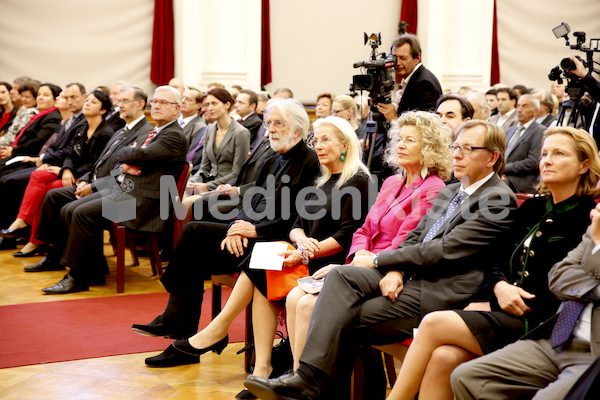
(295, 114)
(482, 102)
(546, 98)
(176, 93)
(534, 101)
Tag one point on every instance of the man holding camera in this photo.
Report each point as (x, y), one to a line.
(420, 88)
(592, 86)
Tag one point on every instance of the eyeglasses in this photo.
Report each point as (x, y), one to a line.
(161, 103)
(277, 124)
(464, 148)
(124, 101)
(325, 141)
(335, 112)
(407, 141)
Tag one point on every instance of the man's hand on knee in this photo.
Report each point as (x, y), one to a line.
(391, 284)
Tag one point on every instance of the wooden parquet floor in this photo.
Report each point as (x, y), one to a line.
(217, 377)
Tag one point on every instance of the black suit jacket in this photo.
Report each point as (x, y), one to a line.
(522, 168)
(164, 155)
(56, 152)
(106, 161)
(421, 92)
(253, 124)
(113, 119)
(251, 168)
(450, 265)
(84, 152)
(36, 134)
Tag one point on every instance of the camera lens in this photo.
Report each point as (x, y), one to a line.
(567, 64)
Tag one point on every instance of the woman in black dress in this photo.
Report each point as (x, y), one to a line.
(332, 211)
(546, 228)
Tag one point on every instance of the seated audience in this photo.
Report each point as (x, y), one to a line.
(226, 145)
(7, 109)
(507, 114)
(224, 246)
(80, 238)
(86, 146)
(523, 144)
(544, 113)
(190, 119)
(492, 100)
(545, 229)
(196, 147)
(245, 107)
(41, 126)
(345, 107)
(283, 93)
(547, 362)
(319, 241)
(322, 110)
(419, 150)
(380, 299)
(481, 108)
(28, 93)
(454, 111)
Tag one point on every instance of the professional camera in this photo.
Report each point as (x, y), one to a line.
(379, 78)
(574, 84)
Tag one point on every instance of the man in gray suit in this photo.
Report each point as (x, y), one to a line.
(143, 163)
(523, 147)
(382, 298)
(540, 365)
(190, 119)
(507, 115)
(51, 228)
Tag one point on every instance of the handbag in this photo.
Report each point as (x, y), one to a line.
(281, 356)
(280, 283)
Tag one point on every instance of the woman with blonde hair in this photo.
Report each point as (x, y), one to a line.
(345, 107)
(320, 234)
(545, 228)
(419, 151)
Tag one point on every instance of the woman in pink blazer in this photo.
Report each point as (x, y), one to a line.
(419, 150)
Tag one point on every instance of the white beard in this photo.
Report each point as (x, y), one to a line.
(285, 143)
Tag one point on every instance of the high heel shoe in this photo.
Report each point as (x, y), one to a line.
(40, 250)
(21, 232)
(185, 347)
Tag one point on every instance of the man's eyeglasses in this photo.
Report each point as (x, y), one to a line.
(161, 103)
(277, 124)
(464, 148)
(124, 101)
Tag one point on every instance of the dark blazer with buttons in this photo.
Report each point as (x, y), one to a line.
(451, 265)
(164, 155)
(421, 92)
(251, 168)
(106, 162)
(558, 229)
(253, 124)
(224, 162)
(192, 128)
(522, 163)
(84, 152)
(56, 152)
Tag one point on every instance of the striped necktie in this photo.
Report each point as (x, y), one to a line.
(149, 138)
(454, 204)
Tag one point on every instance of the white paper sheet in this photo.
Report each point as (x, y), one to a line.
(264, 256)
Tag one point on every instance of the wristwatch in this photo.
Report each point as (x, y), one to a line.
(375, 260)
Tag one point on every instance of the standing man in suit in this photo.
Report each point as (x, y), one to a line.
(245, 107)
(190, 119)
(543, 115)
(383, 297)
(546, 363)
(143, 163)
(420, 88)
(507, 114)
(523, 146)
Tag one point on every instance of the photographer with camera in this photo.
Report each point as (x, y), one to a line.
(420, 88)
(592, 86)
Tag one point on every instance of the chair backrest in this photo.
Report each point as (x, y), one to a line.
(183, 178)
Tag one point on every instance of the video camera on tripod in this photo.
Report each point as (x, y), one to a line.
(574, 87)
(379, 80)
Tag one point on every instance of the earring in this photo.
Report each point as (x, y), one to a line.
(342, 157)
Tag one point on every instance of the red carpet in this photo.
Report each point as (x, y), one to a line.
(67, 330)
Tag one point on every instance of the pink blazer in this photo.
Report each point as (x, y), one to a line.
(393, 216)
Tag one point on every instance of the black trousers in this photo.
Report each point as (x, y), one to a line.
(196, 257)
(12, 189)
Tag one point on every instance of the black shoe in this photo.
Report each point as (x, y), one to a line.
(44, 265)
(66, 285)
(7, 243)
(185, 346)
(245, 394)
(40, 250)
(21, 232)
(159, 328)
(286, 387)
(171, 357)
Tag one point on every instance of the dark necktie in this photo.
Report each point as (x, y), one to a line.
(514, 140)
(567, 319)
(454, 204)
